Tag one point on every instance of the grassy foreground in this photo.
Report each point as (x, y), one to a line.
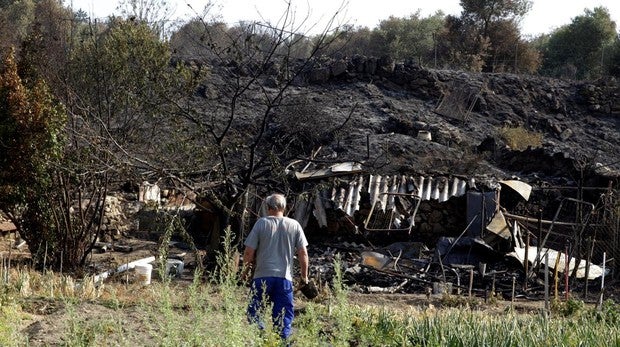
(212, 313)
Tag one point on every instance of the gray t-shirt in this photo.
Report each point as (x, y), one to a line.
(276, 240)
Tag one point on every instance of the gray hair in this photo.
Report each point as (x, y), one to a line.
(276, 202)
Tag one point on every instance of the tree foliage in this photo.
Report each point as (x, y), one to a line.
(115, 85)
(123, 81)
(16, 18)
(483, 13)
(44, 50)
(508, 52)
(486, 37)
(577, 50)
(613, 67)
(411, 38)
(31, 140)
(460, 46)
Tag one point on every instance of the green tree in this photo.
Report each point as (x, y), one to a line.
(411, 38)
(508, 52)
(31, 140)
(459, 45)
(123, 79)
(59, 213)
(45, 49)
(613, 67)
(350, 41)
(486, 37)
(16, 18)
(112, 85)
(577, 50)
(483, 13)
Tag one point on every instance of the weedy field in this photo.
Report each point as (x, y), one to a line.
(46, 309)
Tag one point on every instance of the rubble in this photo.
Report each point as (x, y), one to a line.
(486, 256)
(557, 262)
(439, 234)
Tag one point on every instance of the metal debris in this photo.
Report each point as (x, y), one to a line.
(557, 262)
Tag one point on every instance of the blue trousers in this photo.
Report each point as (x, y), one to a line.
(279, 292)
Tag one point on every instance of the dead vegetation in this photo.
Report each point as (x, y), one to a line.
(519, 138)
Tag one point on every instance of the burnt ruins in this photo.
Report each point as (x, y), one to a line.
(415, 191)
(419, 234)
(418, 192)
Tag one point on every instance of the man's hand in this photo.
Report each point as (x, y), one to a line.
(249, 258)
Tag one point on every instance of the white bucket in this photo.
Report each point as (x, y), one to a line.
(144, 273)
(174, 267)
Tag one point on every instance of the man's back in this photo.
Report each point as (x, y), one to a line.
(275, 240)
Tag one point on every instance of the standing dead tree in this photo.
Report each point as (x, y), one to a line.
(239, 113)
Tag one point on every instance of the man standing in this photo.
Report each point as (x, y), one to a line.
(269, 251)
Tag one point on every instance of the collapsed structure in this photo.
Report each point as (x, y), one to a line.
(437, 231)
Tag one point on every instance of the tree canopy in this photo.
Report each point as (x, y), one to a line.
(578, 50)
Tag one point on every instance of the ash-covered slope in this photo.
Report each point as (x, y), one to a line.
(394, 105)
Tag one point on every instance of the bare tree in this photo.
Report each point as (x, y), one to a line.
(244, 110)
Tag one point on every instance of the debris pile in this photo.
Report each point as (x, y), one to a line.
(457, 235)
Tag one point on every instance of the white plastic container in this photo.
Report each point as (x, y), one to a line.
(144, 272)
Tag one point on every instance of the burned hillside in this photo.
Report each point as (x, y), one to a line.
(381, 152)
(406, 172)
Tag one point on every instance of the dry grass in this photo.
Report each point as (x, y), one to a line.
(519, 138)
(38, 309)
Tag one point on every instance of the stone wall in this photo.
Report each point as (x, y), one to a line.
(118, 217)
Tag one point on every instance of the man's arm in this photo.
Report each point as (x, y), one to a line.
(249, 259)
(302, 255)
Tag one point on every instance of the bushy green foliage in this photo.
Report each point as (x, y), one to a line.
(486, 37)
(613, 59)
(570, 307)
(412, 37)
(16, 18)
(576, 50)
(31, 140)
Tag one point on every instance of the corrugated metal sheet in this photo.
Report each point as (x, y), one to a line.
(346, 195)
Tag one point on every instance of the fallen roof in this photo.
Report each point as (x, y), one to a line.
(334, 170)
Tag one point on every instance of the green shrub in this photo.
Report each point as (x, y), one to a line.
(570, 307)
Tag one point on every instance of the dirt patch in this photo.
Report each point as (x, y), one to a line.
(89, 323)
